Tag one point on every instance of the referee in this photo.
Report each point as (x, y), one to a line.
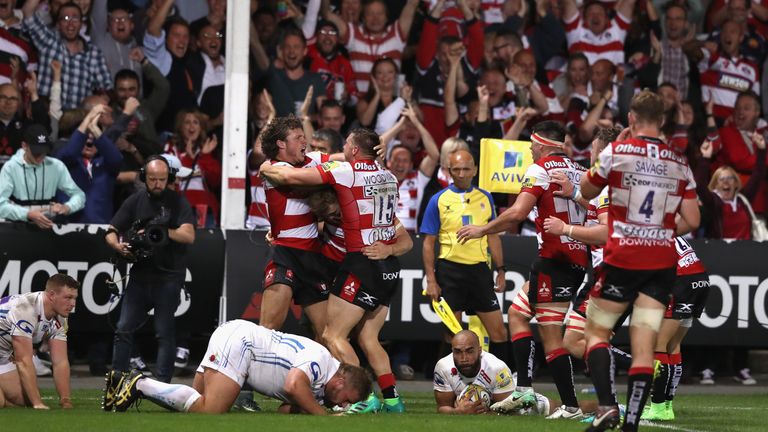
(462, 274)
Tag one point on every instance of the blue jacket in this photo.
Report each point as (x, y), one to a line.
(99, 187)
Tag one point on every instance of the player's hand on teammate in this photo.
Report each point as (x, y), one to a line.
(468, 232)
(554, 226)
(468, 407)
(566, 187)
(378, 251)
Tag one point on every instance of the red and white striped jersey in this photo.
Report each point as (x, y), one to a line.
(536, 182)
(365, 49)
(258, 216)
(367, 196)
(333, 246)
(647, 182)
(410, 190)
(688, 262)
(597, 206)
(492, 12)
(724, 79)
(291, 220)
(607, 45)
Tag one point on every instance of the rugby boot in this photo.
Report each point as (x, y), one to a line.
(111, 384)
(127, 393)
(564, 412)
(606, 417)
(371, 405)
(515, 401)
(657, 412)
(670, 412)
(393, 406)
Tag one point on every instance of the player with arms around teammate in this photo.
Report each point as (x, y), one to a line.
(555, 275)
(362, 291)
(27, 320)
(294, 369)
(461, 273)
(295, 270)
(648, 185)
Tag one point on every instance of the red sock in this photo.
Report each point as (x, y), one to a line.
(387, 385)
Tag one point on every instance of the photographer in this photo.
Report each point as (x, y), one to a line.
(152, 229)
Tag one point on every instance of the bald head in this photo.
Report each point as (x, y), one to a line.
(465, 337)
(462, 168)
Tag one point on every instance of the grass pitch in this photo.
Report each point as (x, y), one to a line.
(695, 413)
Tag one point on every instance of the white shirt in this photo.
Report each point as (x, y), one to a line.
(23, 315)
(494, 376)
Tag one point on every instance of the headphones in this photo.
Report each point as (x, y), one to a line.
(171, 171)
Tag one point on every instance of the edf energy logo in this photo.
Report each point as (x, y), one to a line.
(513, 159)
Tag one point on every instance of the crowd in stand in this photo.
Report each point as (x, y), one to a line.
(113, 82)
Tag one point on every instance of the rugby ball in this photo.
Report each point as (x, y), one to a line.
(473, 393)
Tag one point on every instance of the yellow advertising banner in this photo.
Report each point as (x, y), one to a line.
(503, 164)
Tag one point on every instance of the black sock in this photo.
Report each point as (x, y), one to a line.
(660, 383)
(639, 386)
(602, 370)
(524, 350)
(675, 373)
(560, 367)
(622, 359)
(501, 351)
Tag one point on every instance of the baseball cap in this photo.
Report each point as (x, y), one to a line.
(175, 163)
(36, 137)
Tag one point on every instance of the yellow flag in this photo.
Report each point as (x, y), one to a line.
(503, 164)
(477, 327)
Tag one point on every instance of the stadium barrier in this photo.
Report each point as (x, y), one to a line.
(736, 313)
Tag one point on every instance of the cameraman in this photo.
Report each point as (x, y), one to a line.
(156, 225)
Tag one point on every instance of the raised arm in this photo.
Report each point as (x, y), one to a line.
(406, 17)
(155, 27)
(570, 10)
(328, 14)
(625, 8)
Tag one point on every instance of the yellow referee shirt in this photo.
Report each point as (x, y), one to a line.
(449, 210)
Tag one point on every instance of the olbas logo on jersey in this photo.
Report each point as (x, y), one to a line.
(503, 164)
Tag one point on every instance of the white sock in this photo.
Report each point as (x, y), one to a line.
(175, 397)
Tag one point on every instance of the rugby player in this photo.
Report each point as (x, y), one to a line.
(468, 365)
(648, 185)
(555, 275)
(364, 287)
(27, 320)
(294, 369)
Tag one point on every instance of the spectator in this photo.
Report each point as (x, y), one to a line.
(433, 65)
(574, 83)
(209, 43)
(333, 66)
(738, 145)
(374, 38)
(141, 132)
(595, 33)
(93, 162)
(16, 45)
(332, 116)
(194, 148)
(216, 18)
(722, 196)
(501, 104)
(674, 63)
(118, 43)
(12, 121)
(30, 180)
(84, 69)
(290, 81)
(753, 46)
(724, 71)
(380, 94)
(547, 38)
(326, 141)
(168, 50)
(506, 44)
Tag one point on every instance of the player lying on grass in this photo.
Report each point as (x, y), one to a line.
(469, 380)
(294, 369)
